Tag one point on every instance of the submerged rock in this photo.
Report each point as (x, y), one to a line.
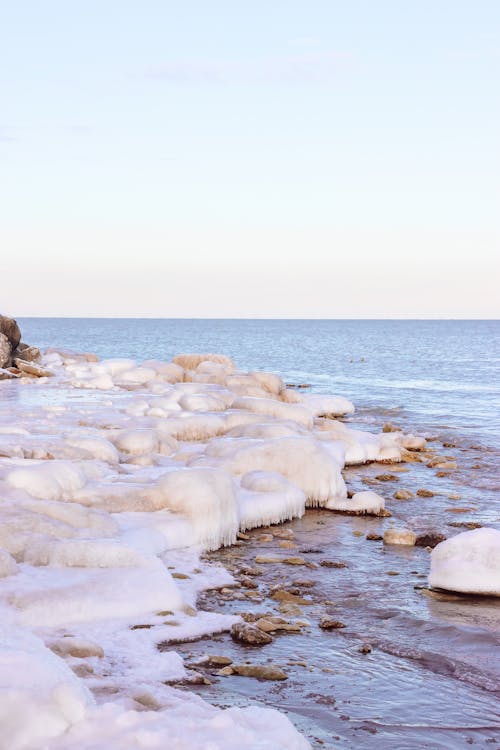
(328, 623)
(403, 495)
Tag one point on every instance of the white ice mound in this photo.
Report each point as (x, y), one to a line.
(468, 563)
(367, 502)
(322, 405)
(361, 446)
(302, 460)
(266, 498)
(40, 697)
(55, 480)
(207, 498)
(280, 410)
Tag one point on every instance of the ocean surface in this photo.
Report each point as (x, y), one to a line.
(434, 374)
(433, 677)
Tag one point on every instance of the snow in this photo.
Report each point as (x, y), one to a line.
(468, 563)
(105, 495)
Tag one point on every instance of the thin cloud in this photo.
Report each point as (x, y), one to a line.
(293, 70)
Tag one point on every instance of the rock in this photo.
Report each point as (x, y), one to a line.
(429, 539)
(374, 537)
(30, 368)
(294, 561)
(327, 623)
(259, 671)
(386, 477)
(27, 353)
(454, 496)
(365, 648)
(7, 374)
(214, 660)
(413, 443)
(425, 493)
(5, 351)
(249, 634)
(243, 537)
(77, 647)
(388, 427)
(10, 330)
(400, 536)
(225, 671)
(260, 560)
(465, 524)
(332, 564)
(284, 596)
(283, 533)
(305, 583)
(403, 495)
(274, 623)
(287, 544)
(441, 462)
(369, 480)
(265, 538)
(247, 582)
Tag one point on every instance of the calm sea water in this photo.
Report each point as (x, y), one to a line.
(430, 374)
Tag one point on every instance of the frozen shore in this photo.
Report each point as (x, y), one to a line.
(115, 477)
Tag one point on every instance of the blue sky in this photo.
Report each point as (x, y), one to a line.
(319, 159)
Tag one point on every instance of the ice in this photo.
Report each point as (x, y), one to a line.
(105, 495)
(366, 502)
(266, 498)
(468, 562)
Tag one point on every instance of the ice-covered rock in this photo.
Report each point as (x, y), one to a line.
(468, 563)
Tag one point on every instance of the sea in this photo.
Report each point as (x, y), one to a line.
(431, 676)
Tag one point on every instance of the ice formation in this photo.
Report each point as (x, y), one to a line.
(106, 494)
(468, 563)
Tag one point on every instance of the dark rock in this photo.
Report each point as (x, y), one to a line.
(425, 493)
(327, 623)
(429, 539)
(374, 537)
(365, 648)
(5, 350)
(11, 330)
(332, 564)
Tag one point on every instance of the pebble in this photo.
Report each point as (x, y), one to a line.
(425, 493)
(327, 623)
(386, 477)
(403, 495)
(374, 537)
(332, 564)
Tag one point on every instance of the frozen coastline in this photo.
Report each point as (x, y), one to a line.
(114, 477)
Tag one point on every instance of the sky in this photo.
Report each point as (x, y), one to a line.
(271, 158)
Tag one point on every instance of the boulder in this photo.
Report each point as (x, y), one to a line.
(400, 536)
(30, 368)
(11, 330)
(27, 353)
(5, 350)
(249, 634)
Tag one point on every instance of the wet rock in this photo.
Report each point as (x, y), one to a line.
(250, 635)
(30, 368)
(332, 564)
(425, 493)
(328, 623)
(27, 353)
(374, 537)
(259, 671)
(265, 538)
(285, 596)
(414, 443)
(243, 537)
(262, 560)
(213, 660)
(10, 329)
(248, 571)
(305, 583)
(5, 351)
(7, 374)
(449, 445)
(403, 495)
(225, 671)
(294, 561)
(389, 427)
(369, 480)
(180, 576)
(254, 616)
(386, 478)
(283, 533)
(248, 582)
(365, 648)
(287, 544)
(454, 496)
(274, 623)
(400, 536)
(392, 573)
(466, 524)
(441, 474)
(429, 539)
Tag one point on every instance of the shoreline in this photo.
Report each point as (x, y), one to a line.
(117, 464)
